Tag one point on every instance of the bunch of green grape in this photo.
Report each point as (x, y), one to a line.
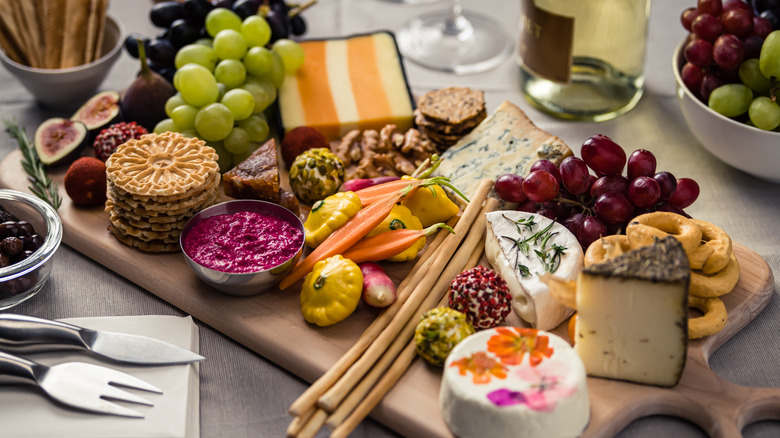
(224, 84)
(759, 90)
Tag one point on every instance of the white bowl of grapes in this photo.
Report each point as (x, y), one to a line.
(728, 82)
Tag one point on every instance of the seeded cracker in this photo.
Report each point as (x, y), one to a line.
(453, 105)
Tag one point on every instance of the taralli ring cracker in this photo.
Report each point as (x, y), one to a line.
(709, 286)
(606, 248)
(714, 253)
(643, 228)
(713, 320)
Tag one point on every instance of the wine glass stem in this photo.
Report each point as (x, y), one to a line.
(457, 25)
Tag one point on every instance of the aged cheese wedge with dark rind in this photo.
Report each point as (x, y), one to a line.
(632, 321)
(356, 82)
(506, 142)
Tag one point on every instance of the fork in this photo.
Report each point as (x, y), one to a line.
(78, 384)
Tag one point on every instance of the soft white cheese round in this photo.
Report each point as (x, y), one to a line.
(514, 382)
(531, 299)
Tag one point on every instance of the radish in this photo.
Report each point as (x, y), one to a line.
(378, 288)
(354, 185)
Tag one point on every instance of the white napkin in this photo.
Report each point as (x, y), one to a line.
(26, 412)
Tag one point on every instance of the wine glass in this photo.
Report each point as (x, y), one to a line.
(454, 41)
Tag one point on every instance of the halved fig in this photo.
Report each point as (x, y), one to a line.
(100, 111)
(59, 140)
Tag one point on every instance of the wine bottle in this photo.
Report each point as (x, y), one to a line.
(583, 59)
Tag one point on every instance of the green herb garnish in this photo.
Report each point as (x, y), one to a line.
(43, 187)
(550, 257)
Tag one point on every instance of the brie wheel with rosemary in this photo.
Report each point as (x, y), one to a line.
(523, 246)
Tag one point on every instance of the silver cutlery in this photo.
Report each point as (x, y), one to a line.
(28, 334)
(78, 384)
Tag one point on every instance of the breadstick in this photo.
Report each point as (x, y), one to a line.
(308, 399)
(471, 247)
(330, 400)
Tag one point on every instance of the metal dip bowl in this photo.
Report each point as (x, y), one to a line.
(250, 283)
(22, 280)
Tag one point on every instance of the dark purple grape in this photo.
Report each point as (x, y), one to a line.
(197, 11)
(738, 22)
(730, 5)
(761, 27)
(557, 209)
(164, 13)
(613, 208)
(707, 27)
(773, 17)
(572, 223)
(692, 75)
(709, 83)
(509, 188)
(644, 192)
(297, 25)
(246, 8)
(549, 214)
(279, 24)
(752, 45)
(641, 163)
(547, 166)
(527, 206)
(161, 52)
(182, 33)
(575, 175)
(11, 246)
(728, 52)
(540, 186)
(686, 193)
(688, 16)
(225, 4)
(590, 230)
(673, 209)
(698, 52)
(603, 155)
(711, 7)
(609, 183)
(667, 183)
(131, 43)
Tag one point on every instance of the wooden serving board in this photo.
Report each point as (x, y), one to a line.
(271, 325)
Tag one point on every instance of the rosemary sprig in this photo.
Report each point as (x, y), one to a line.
(550, 257)
(42, 186)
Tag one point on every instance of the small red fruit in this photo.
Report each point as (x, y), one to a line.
(85, 181)
(110, 138)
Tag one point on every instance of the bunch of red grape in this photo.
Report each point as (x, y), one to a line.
(183, 24)
(723, 35)
(592, 206)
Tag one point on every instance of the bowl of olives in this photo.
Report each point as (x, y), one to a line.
(30, 233)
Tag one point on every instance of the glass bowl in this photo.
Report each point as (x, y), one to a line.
(22, 280)
(250, 283)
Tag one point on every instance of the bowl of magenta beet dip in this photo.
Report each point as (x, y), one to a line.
(242, 247)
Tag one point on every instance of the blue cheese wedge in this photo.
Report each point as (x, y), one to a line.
(632, 315)
(523, 246)
(505, 142)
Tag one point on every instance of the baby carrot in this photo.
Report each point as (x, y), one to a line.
(390, 243)
(372, 194)
(352, 231)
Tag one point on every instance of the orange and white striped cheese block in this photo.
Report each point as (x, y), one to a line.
(344, 84)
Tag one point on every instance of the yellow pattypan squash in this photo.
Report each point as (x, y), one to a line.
(431, 205)
(401, 217)
(331, 291)
(328, 215)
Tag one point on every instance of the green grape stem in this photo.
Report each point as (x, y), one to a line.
(297, 9)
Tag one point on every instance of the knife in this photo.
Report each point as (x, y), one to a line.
(28, 334)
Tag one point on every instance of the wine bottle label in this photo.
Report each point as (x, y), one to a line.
(546, 41)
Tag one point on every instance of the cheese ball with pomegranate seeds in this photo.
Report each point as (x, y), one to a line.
(482, 295)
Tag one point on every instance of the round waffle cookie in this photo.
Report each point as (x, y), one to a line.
(164, 165)
(155, 184)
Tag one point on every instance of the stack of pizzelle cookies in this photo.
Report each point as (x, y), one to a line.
(155, 184)
(52, 33)
(446, 115)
